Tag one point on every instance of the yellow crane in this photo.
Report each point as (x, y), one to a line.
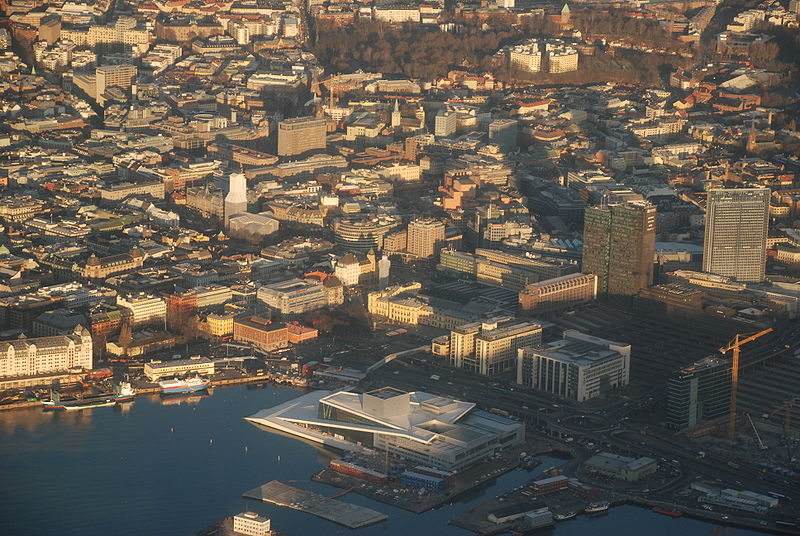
(738, 341)
(787, 421)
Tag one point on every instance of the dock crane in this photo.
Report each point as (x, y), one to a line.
(738, 341)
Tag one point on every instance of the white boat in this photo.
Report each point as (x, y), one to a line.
(595, 508)
(189, 385)
(563, 516)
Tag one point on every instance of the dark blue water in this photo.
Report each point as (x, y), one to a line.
(173, 469)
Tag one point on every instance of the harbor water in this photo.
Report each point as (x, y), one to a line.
(177, 465)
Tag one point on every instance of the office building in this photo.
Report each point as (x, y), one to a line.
(425, 237)
(445, 124)
(504, 132)
(737, 221)
(420, 428)
(236, 200)
(301, 134)
(490, 347)
(699, 392)
(295, 296)
(251, 524)
(619, 246)
(578, 367)
(558, 293)
(121, 76)
(46, 355)
(144, 308)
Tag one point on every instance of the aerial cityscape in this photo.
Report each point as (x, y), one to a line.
(292, 268)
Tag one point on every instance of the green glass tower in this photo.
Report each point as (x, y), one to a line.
(619, 246)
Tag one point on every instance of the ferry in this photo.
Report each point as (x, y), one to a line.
(596, 508)
(671, 513)
(125, 392)
(189, 385)
(563, 516)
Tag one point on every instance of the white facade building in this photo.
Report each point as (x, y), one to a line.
(578, 367)
(144, 308)
(43, 355)
(251, 524)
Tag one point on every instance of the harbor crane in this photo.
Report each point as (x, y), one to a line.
(735, 345)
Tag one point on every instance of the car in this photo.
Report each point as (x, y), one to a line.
(724, 516)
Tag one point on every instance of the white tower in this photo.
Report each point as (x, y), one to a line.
(236, 200)
(396, 117)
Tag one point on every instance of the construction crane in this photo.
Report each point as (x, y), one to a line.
(738, 341)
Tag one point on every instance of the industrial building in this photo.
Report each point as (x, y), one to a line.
(578, 367)
(420, 428)
(621, 467)
(155, 370)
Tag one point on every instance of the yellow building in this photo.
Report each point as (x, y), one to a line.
(220, 325)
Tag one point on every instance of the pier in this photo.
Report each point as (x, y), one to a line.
(348, 515)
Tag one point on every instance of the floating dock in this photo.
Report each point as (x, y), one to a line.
(349, 515)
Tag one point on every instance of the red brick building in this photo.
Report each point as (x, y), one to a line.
(260, 332)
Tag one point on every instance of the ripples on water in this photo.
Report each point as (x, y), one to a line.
(163, 467)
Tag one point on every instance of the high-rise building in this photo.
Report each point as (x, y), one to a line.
(301, 134)
(236, 200)
(490, 347)
(619, 246)
(699, 392)
(445, 124)
(425, 237)
(737, 221)
(578, 367)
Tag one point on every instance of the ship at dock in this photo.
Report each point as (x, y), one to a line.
(597, 508)
(183, 386)
(563, 516)
(122, 393)
(663, 511)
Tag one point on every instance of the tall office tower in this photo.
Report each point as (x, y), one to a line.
(236, 200)
(301, 134)
(619, 246)
(737, 221)
(425, 237)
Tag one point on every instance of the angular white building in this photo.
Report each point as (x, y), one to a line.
(421, 428)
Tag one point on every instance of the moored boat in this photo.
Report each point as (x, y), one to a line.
(596, 508)
(189, 385)
(563, 516)
(125, 392)
(671, 513)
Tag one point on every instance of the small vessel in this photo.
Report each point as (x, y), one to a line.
(125, 392)
(189, 385)
(671, 513)
(563, 516)
(596, 508)
(87, 402)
